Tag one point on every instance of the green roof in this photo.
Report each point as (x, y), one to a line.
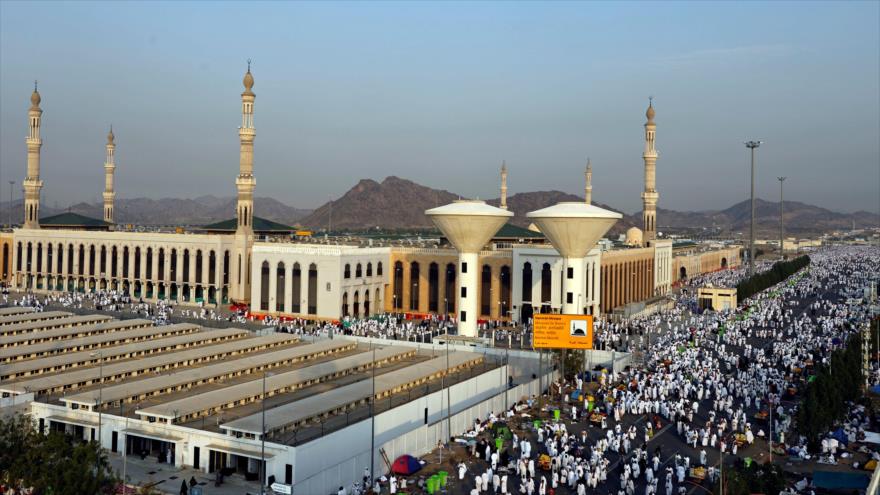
(510, 231)
(260, 225)
(73, 220)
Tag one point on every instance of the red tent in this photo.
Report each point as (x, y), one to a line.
(406, 465)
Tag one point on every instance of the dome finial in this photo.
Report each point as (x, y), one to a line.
(248, 79)
(650, 113)
(35, 98)
(110, 135)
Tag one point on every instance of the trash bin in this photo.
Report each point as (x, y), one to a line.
(556, 413)
(499, 442)
(443, 475)
(429, 485)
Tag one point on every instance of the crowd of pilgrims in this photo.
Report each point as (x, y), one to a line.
(706, 379)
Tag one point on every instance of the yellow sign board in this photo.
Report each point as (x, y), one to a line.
(563, 331)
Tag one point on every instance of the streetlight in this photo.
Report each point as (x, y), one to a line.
(263, 436)
(752, 145)
(373, 417)
(99, 355)
(781, 220)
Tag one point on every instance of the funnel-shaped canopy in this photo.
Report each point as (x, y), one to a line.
(573, 227)
(468, 224)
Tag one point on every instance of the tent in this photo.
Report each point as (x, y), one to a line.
(840, 481)
(840, 436)
(406, 465)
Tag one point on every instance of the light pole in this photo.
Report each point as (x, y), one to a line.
(373, 417)
(781, 220)
(752, 145)
(263, 437)
(100, 355)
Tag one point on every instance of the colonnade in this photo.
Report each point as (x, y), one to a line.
(176, 271)
(429, 287)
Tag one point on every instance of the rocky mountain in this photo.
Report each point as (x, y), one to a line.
(397, 203)
(394, 203)
(800, 219)
(169, 211)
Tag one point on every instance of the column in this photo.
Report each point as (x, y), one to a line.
(597, 287)
(178, 277)
(63, 271)
(192, 275)
(536, 287)
(556, 286)
(273, 285)
(132, 256)
(218, 276)
(468, 304)
(441, 288)
(304, 289)
(143, 274)
(288, 288)
(407, 288)
(573, 285)
(166, 271)
(256, 285)
(206, 272)
(120, 260)
(494, 291)
(424, 271)
(90, 269)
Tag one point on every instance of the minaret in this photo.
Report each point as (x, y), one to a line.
(650, 196)
(245, 183)
(32, 183)
(503, 204)
(588, 187)
(109, 168)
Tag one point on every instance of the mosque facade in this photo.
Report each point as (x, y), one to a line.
(224, 263)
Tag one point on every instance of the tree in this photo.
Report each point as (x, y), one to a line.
(52, 463)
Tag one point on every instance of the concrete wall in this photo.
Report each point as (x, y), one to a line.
(315, 476)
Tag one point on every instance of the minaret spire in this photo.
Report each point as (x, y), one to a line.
(245, 183)
(109, 170)
(503, 204)
(588, 181)
(32, 183)
(650, 195)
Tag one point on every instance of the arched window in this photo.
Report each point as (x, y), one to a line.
(415, 286)
(347, 272)
(369, 269)
(280, 285)
(379, 269)
(358, 271)
(486, 291)
(296, 289)
(264, 286)
(449, 296)
(397, 295)
(313, 289)
(506, 291)
(344, 304)
(433, 287)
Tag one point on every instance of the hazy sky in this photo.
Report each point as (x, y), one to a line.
(441, 93)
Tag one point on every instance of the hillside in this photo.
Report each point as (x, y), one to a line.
(393, 203)
(397, 203)
(170, 211)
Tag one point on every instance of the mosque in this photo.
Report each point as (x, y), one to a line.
(253, 261)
